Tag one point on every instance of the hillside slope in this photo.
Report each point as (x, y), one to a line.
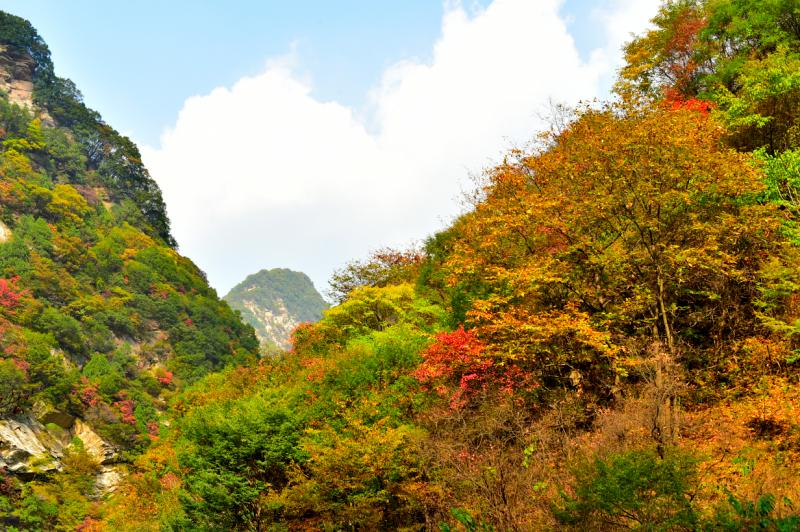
(101, 319)
(608, 340)
(276, 301)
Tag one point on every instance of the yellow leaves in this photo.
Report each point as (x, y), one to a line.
(369, 468)
(149, 495)
(68, 204)
(376, 308)
(552, 337)
(35, 135)
(15, 164)
(623, 197)
(737, 458)
(128, 254)
(132, 238)
(70, 250)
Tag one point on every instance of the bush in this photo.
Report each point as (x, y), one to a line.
(633, 490)
(13, 385)
(748, 515)
(237, 452)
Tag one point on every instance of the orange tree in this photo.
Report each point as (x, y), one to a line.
(630, 227)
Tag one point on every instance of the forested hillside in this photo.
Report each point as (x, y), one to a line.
(607, 340)
(101, 320)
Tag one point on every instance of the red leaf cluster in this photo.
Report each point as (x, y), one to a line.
(675, 102)
(170, 481)
(9, 293)
(23, 365)
(305, 336)
(152, 430)
(456, 365)
(165, 377)
(87, 393)
(126, 407)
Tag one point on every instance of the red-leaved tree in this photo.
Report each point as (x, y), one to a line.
(9, 293)
(456, 366)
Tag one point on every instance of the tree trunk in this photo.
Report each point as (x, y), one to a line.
(663, 309)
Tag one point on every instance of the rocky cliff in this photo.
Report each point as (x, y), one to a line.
(16, 75)
(35, 444)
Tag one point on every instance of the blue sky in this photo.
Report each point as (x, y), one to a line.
(304, 134)
(136, 62)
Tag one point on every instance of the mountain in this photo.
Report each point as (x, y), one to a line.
(276, 301)
(608, 339)
(102, 321)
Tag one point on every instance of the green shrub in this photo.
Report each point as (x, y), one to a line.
(633, 490)
(748, 515)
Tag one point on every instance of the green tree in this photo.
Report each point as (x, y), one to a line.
(632, 491)
(13, 388)
(236, 453)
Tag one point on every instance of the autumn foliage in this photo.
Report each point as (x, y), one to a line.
(608, 338)
(458, 366)
(9, 293)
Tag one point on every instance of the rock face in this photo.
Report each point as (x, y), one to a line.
(101, 450)
(29, 447)
(107, 481)
(273, 325)
(276, 301)
(16, 76)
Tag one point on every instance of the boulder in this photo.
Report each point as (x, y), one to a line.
(23, 450)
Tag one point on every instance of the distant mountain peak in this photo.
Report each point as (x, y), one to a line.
(276, 301)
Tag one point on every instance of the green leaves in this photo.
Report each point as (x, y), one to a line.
(235, 453)
(634, 490)
(14, 388)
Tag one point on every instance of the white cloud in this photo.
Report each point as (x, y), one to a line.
(621, 19)
(263, 175)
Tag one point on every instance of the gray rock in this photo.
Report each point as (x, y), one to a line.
(27, 447)
(23, 448)
(107, 481)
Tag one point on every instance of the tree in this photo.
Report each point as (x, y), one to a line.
(9, 293)
(634, 490)
(742, 55)
(668, 60)
(632, 222)
(237, 453)
(455, 365)
(384, 267)
(68, 205)
(13, 387)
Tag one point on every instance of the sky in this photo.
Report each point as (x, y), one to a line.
(306, 134)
